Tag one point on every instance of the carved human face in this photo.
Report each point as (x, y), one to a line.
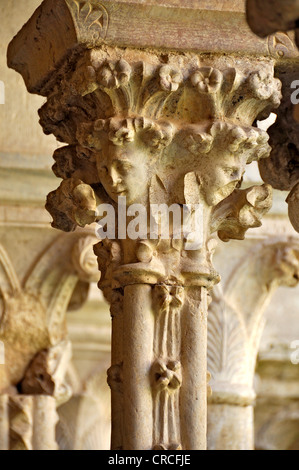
(220, 181)
(124, 172)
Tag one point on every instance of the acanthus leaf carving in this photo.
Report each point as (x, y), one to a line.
(241, 211)
(72, 204)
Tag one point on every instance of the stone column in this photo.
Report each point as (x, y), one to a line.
(150, 123)
(236, 323)
(28, 422)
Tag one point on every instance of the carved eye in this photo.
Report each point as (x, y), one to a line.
(104, 170)
(124, 167)
(233, 173)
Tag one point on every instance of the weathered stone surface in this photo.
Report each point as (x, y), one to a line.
(65, 25)
(22, 144)
(169, 126)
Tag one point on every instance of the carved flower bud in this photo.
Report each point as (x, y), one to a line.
(207, 80)
(121, 134)
(197, 142)
(158, 136)
(167, 376)
(170, 78)
(238, 136)
(264, 86)
(114, 74)
(84, 204)
(83, 82)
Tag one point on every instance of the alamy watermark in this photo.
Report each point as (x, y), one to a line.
(2, 92)
(160, 222)
(295, 94)
(2, 354)
(295, 354)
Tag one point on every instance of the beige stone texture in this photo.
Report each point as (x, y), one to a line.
(158, 102)
(22, 144)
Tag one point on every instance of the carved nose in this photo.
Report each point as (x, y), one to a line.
(115, 178)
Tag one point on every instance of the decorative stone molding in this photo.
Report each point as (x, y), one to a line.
(172, 127)
(28, 422)
(235, 325)
(130, 24)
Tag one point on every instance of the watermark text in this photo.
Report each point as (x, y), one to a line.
(178, 221)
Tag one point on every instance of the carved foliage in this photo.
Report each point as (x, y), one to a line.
(244, 209)
(46, 373)
(102, 88)
(89, 17)
(159, 120)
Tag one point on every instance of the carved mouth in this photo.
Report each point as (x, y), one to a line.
(122, 192)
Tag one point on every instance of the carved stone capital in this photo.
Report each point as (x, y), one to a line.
(155, 124)
(179, 133)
